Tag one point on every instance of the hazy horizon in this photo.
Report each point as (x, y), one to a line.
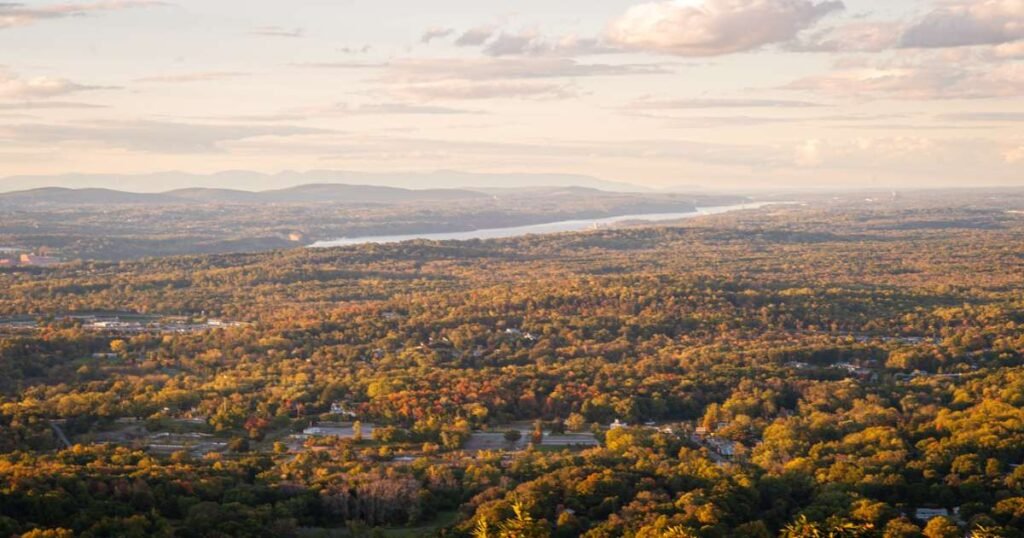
(713, 94)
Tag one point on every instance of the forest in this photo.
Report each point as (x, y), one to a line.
(838, 368)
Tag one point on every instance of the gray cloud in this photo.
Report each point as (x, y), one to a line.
(475, 37)
(356, 50)
(964, 23)
(435, 33)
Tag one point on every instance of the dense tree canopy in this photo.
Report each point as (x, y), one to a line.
(860, 366)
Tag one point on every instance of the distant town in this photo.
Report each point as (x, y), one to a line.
(120, 323)
(16, 257)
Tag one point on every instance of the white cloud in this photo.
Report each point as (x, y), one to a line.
(17, 14)
(648, 104)
(1014, 155)
(715, 27)
(202, 76)
(987, 117)
(808, 154)
(150, 136)
(424, 69)
(48, 105)
(482, 78)
(968, 22)
(929, 78)
(406, 109)
(858, 36)
(1009, 51)
(14, 87)
(278, 31)
(473, 89)
(914, 155)
(493, 78)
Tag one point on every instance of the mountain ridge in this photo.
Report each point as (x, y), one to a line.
(308, 193)
(244, 180)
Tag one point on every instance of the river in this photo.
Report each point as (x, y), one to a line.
(538, 229)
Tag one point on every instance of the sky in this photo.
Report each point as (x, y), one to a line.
(717, 94)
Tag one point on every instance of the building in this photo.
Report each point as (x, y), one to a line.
(339, 431)
(723, 447)
(338, 408)
(38, 261)
(924, 515)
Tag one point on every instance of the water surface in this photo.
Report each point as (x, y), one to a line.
(537, 229)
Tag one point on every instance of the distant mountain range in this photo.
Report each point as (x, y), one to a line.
(332, 193)
(240, 180)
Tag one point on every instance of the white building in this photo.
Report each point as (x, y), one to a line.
(925, 515)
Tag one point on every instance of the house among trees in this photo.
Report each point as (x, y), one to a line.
(924, 515)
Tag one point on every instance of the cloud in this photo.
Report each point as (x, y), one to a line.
(48, 105)
(202, 76)
(964, 23)
(278, 31)
(151, 136)
(475, 37)
(859, 36)
(508, 44)
(17, 14)
(472, 90)
(1013, 117)
(534, 44)
(645, 150)
(715, 122)
(356, 50)
(18, 88)
(929, 157)
(509, 68)
(1014, 155)
(1009, 51)
(808, 153)
(435, 32)
(344, 109)
(647, 104)
(924, 80)
(487, 78)
(343, 65)
(715, 27)
(405, 109)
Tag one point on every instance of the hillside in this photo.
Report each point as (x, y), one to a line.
(312, 193)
